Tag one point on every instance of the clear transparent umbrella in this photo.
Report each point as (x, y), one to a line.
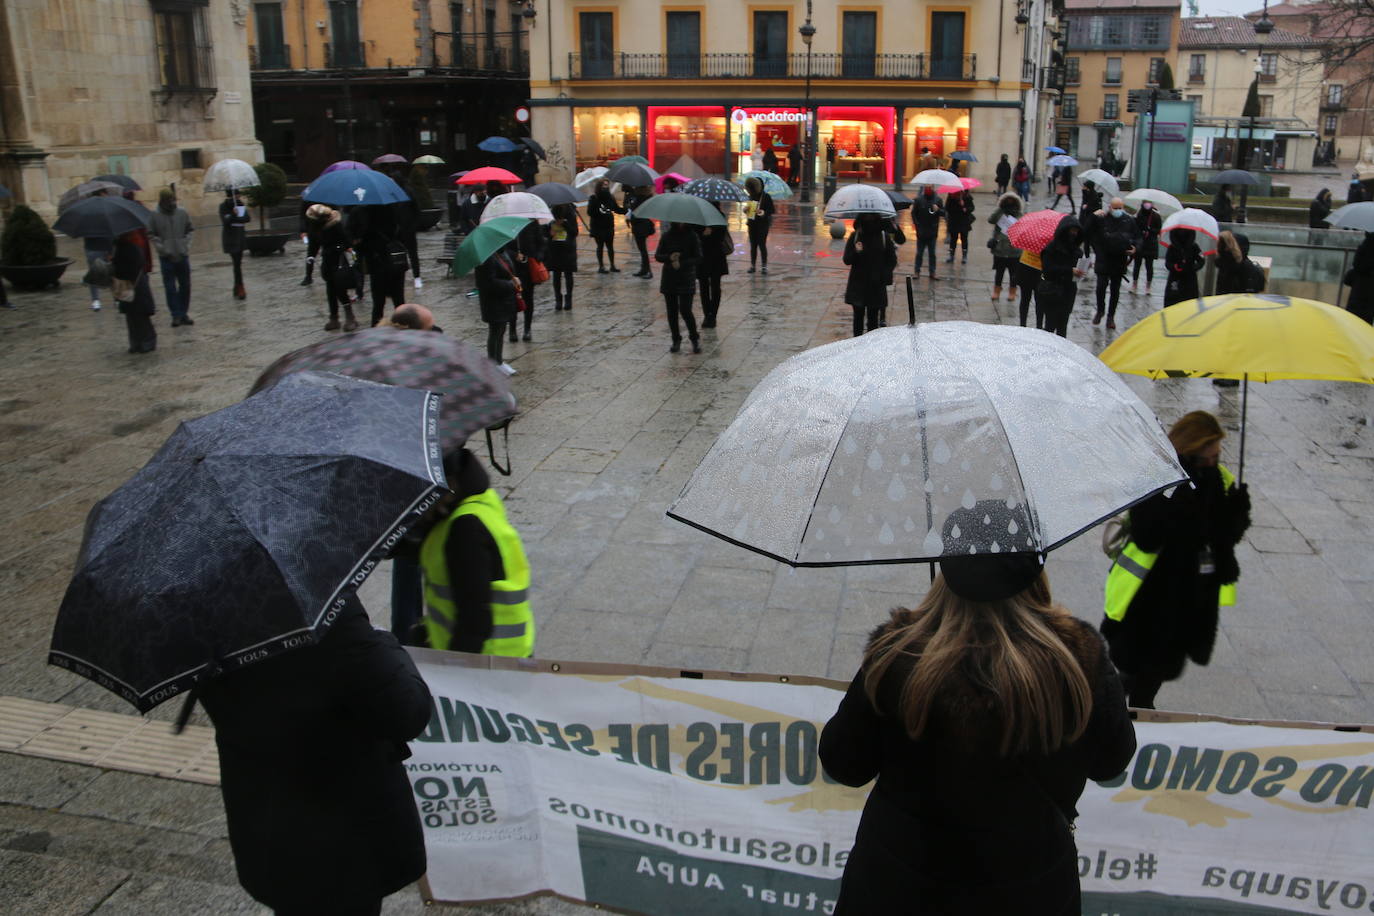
(913, 443)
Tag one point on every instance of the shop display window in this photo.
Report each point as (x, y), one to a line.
(603, 135)
(683, 136)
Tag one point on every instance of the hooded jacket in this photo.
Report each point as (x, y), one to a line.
(1008, 208)
(926, 213)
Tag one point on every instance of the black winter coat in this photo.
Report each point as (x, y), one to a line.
(1003, 173)
(685, 244)
(1149, 224)
(310, 749)
(1222, 210)
(601, 211)
(1360, 279)
(870, 270)
(1181, 264)
(926, 213)
(639, 228)
(716, 249)
(495, 287)
(953, 827)
(1112, 237)
(231, 235)
(959, 213)
(1317, 214)
(1174, 615)
(561, 255)
(1057, 288)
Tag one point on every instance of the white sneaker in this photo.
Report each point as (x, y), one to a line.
(419, 284)
(95, 305)
(507, 368)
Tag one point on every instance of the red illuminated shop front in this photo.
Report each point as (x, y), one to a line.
(684, 134)
(857, 141)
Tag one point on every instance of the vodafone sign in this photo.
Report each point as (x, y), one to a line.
(767, 116)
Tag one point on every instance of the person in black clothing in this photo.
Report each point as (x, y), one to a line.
(758, 212)
(1230, 263)
(560, 237)
(679, 252)
(406, 215)
(770, 160)
(1181, 264)
(1148, 224)
(601, 211)
(233, 216)
(1058, 270)
(794, 165)
(1003, 175)
(470, 211)
(374, 232)
(498, 288)
(1114, 238)
(926, 213)
(529, 244)
(641, 229)
(1319, 210)
(1090, 203)
(128, 264)
(329, 243)
(311, 744)
(1222, 210)
(527, 166)
(305, 237)
(716, 248)
(1360, 279)
(958, 219)
(1063, 188)
(871, 255)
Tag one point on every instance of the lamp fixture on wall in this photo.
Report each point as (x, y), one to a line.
(528, 12)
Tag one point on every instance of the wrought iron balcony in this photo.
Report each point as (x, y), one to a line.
(269, 58)
(345, 57)
(626, 65)
(1052, 79)
(1332, 105)
(483, 52)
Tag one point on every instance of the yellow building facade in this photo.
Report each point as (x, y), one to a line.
(707, 88)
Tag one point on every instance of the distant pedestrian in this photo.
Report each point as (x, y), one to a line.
(1164, 592)
(376, 239)
(756, 158)
(871, 255)
(169, 229)
(96, 248)
(1021, 178)
(601, 212)
(1114, 241)
(330, 247)
(1003, 174)
(561, 254)
(406, 215)
(1355, 191)
(133, 294)
(233, 216)
(1149, 225)
(470, 210)
(1058, 275)
(1222, 209)
(529, 166)
(926, 213)
(499, 299)
(1181, 264)
(1053, 178)
(1230, 264)
(927, 160)
(1005, 255)
(758, 218)
(304, 227)
(1028, 276)
(1063, 188)
(530, 246)
(679, 251)
(958, 220)
(1090, 202)
(716, 248)
(1360, 279)
(640, 229)
(1319, 210)
(794, 165)
(770, 160)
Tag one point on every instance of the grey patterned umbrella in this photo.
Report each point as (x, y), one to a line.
(246, 534)
(714, 189)
(915, 443)
(476, 393)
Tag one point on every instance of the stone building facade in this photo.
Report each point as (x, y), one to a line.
(156, 89)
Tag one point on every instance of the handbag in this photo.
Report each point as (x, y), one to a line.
(397, 257)
(123, 290)
(538, 272)
(99, 273)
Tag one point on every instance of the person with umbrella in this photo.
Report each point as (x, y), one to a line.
(1360, 279)
(1148, 223)
(958, 220)
(130, 264)
(561, 246)
(233, 216)
(1181, 263)
(527, 166)
(1021, 178)
(770, 160)
(982, 714)
(1004, 254)
(1319, 210)
(601, 211)
(499, 297)
(376, 239)
(758, 219)
(470, 210)
(96, 248)
(871, 255)
(331, 246)
(1089, 203)
(1114, 239)
(529, 246)
(926, 213)
(1222, 209)
(1063, 186)
(679, 251)
(794, 164)
(640, 229)
(1179, 566)
(1059, 270)
(169, 229)
(1002, 175)
(716, 248)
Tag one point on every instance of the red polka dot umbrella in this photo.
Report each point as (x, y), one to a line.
(1034, 232)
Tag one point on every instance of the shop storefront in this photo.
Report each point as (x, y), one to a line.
(603, 135)
(687, 139)
(857, 141)
(762, 129)
(941, 130)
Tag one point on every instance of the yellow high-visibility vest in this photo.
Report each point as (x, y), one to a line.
(1132, 565)
(512, 621)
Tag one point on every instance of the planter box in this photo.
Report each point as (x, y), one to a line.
(264, 243)
(41, 276)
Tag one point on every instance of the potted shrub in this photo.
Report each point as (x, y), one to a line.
(418, 186)
(28, 252)
(269, 193)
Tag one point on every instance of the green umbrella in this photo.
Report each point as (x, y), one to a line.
(640, 159)
(485, 240)
(680, 208)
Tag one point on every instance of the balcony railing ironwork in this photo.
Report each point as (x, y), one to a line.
(627, 65)
(483, 52)
(1053, 78)
(269, 58)
(345, 57)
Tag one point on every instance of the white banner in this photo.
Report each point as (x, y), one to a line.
(653, 793)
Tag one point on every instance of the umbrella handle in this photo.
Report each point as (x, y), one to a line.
(910, 303)
(491, 447)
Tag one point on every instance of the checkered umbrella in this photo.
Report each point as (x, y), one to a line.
(1035, 230)
(475, 393)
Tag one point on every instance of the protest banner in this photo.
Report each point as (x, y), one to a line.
(647, 791)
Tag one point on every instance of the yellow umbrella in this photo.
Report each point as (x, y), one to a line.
(1245, 336)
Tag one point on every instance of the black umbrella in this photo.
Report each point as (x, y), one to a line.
(124, 181)
(554, 193)
(247, 533)
(899, 200)
(102, 218)
(533, 144)
(1234, 176)
(631, 174)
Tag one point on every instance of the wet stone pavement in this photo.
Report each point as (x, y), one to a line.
(611, 426)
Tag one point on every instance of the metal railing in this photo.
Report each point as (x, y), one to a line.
(345, 57)
(1052, 78)
(627, 65)
(483, 52)
(269, 58)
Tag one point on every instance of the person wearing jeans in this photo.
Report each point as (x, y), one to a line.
(170, 229)
(96, 249)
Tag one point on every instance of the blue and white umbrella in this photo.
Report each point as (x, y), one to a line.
(1061, 161)
(964, 155)
(772, 183)
(498, 145)
(1055, 149)
(353, 188)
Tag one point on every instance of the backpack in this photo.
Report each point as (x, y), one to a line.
(1252, 275)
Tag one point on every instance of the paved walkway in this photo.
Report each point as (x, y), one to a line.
(611, 427)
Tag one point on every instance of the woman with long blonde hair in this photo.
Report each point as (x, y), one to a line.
(982, 713)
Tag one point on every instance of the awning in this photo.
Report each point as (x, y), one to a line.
(1108, 124)
(1295, 133)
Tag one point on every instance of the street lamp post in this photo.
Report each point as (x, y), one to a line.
(808, 32)
(1263, 27)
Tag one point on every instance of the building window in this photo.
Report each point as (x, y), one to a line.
(185, 57)
(1269, 67)
(1151, 32)
(1072, 76)
(684, 43)
(1156, 67)
(346, 48)
(1197, 68)
(1111, 106)
(1266, 106)
(1068, 107)
(1197, 104)
(1329, 125)
(947, 46)
(1113, 75)
(860, 43)
(770, 43)
(596, 31)
(190, 159)
(1333, 94)
(271, 48)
